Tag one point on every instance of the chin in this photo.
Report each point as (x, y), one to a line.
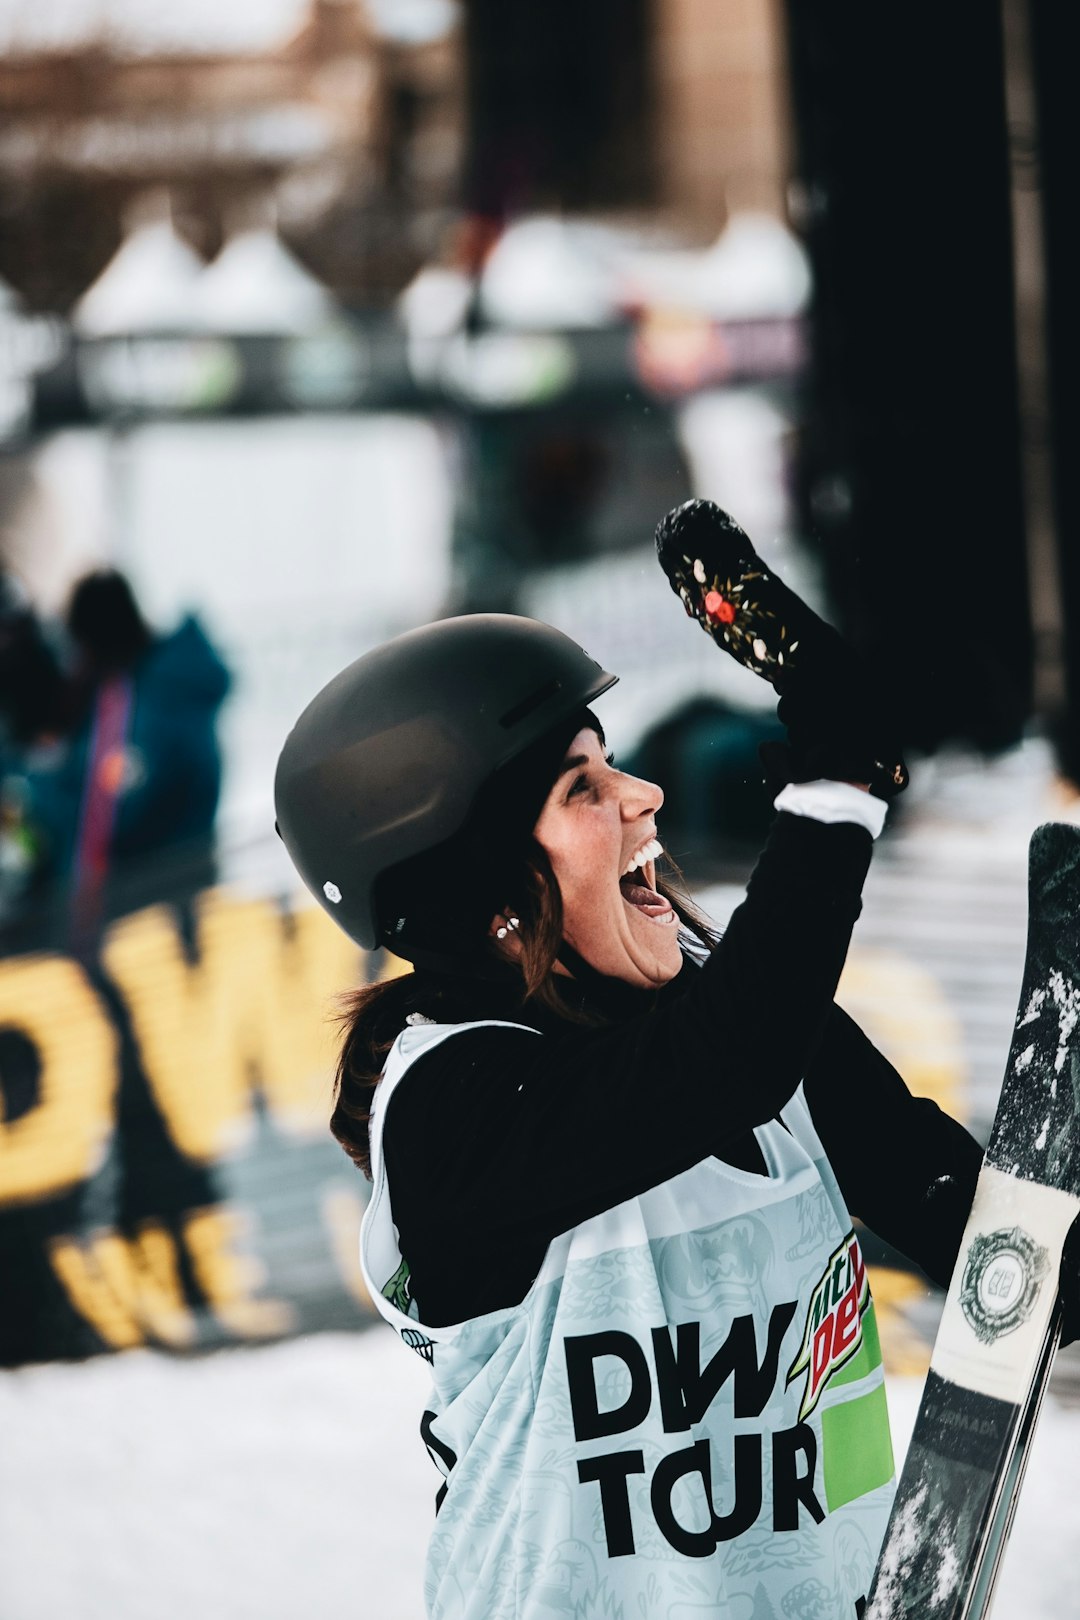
(660, 964)
(637, 958)
(653, 974)
(667, 971)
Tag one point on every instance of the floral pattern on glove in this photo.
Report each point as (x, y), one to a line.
(722, 583)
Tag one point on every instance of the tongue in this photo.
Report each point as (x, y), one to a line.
(639, 894)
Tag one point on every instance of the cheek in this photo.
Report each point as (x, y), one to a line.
(589, 894)
(581, 852)
(580, 880)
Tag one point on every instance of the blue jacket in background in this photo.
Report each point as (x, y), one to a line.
(170, 780)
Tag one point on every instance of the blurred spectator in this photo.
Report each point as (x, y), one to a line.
(125, 811)
(35, 697)
(37, 707)
(715, 797)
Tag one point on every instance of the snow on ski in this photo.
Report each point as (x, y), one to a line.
(999, 1329)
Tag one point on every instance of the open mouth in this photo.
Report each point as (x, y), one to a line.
(637, 885)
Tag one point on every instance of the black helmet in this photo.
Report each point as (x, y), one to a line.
(386, 763)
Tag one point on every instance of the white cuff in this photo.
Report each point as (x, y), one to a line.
(833, 801)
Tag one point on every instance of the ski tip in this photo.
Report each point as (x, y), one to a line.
(1053, 842)
(1054, 892)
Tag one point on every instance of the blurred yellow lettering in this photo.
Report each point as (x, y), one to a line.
(250, 1011)
(128, 1291)
(228, 1278)
(59, 1141)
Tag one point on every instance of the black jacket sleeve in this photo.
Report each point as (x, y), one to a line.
(508, 1137)
(905, 1168)
(488, 1110)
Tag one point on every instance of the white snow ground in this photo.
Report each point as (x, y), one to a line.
(288, 1481)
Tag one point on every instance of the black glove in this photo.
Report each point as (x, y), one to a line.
(836, 727)
(1069, 1286)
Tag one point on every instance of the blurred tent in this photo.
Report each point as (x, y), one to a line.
(433, 309)
(28, 344)
(147, 286)
(545, 272)
(255, 285)
(412, 22)
(157, 283)
(756, 269)
(10, 302)
(15, 395)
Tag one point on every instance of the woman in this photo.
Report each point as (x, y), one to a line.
(613, 1156)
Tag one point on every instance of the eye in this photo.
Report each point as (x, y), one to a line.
(582, 783)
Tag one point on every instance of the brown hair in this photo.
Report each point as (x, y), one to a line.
(373, 1015)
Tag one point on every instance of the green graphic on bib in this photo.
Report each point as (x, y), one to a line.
(398, 1291)
(833, 1335)
(856, 1448)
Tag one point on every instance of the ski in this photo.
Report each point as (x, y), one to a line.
(999, 1330)
(983, 1590)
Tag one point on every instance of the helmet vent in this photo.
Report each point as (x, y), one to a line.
(522, 710)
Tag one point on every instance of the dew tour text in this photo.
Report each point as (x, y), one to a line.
(685, 1389)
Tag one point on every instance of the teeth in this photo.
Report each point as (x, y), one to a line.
(648, 852)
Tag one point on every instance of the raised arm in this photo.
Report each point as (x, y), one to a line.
(498, 1139)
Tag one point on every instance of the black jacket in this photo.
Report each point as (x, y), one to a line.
(499, 1140)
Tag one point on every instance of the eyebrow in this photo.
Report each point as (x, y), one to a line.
(572, 764)
(580, 759)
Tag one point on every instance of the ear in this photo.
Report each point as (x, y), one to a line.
(503, 929)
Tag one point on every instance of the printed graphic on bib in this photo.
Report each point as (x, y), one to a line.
(753, 1473)
(834, 1322)
(398, 1290)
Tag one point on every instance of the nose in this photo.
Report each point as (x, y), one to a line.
(640, 798)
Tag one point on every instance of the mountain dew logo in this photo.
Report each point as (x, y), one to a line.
(833, 1331)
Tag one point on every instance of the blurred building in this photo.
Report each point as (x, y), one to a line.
(935, 418)
(369, 122)
(675, 106)
(348, 118)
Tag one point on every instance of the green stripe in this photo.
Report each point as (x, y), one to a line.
(857, 1453)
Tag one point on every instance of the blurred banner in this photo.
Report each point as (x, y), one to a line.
(167, 1177)
(373, 364)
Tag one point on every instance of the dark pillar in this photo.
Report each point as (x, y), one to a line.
(1052, 30)
(911, 464)
(560, 104)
